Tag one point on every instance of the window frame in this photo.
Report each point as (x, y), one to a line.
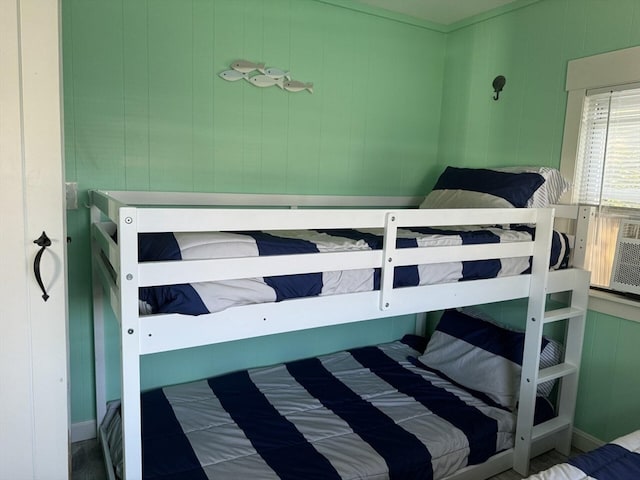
(589, 73)
(604, 70)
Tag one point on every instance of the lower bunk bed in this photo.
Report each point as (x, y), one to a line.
(329, 400)
(617, 460)
(383, 411)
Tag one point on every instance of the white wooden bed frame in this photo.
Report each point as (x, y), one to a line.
(118, 275)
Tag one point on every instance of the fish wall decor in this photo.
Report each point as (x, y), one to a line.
(233, 75)
(265, 77)
(296, 86)
(276, 73)
(247, 67)
(264, 81)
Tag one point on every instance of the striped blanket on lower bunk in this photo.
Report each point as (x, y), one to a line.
(205, 297)
(618, 460)
(367, 413)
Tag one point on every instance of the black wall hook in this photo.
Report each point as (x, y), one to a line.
(498, 85)
(43, 241)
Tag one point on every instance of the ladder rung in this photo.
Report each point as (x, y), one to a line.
(562, 314)
(557, 371)
(549, 427)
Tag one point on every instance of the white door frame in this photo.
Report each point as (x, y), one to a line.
(34, 418)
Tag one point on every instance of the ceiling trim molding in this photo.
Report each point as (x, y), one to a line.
(417, 22)
(387, 14)
(496, 12)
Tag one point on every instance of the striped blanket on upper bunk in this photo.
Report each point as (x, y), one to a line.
(618, 460)
(206, 297)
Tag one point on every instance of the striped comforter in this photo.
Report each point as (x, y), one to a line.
(618, 460)
(366, 413)
(206, 297)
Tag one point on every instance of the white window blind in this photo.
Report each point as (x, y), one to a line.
(608, 169)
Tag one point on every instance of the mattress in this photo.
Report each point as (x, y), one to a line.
(618, 460)
(208, 297)
(366, 413)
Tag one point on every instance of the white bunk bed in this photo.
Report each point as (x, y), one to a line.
(118, 275)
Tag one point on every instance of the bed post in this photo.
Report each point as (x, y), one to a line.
(129, 342)
(98, 329)
(585, 224)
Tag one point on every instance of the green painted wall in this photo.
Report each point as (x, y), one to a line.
(146, 110)
(531, 47)
(609, 390)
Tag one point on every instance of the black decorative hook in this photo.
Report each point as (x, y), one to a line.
(43, 241)
(498, 85)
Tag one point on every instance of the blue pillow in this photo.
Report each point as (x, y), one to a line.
(482, 188)
(483, 356)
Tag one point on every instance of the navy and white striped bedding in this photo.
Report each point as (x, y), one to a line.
(206, 297)
(618, 460)
(366, 413)
(464, 347)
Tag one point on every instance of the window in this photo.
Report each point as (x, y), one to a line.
(601, 147)
(607, 170)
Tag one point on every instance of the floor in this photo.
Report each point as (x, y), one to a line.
(88, 464)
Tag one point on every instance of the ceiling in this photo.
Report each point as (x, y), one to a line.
(444, 12)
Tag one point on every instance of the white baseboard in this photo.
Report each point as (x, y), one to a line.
(83, 431)
(585, 442)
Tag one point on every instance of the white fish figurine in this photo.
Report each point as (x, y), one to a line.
(233, 75)
(264, 81)
(277, 74)
(247, 67)
(296, 86)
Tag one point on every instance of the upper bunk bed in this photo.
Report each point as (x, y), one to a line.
(393, 237)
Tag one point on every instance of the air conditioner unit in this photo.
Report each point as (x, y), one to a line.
(625, 275)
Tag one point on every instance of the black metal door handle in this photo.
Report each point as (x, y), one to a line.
(43, 241)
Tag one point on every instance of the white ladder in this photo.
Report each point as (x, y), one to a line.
(576, 282)
(566, 372)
